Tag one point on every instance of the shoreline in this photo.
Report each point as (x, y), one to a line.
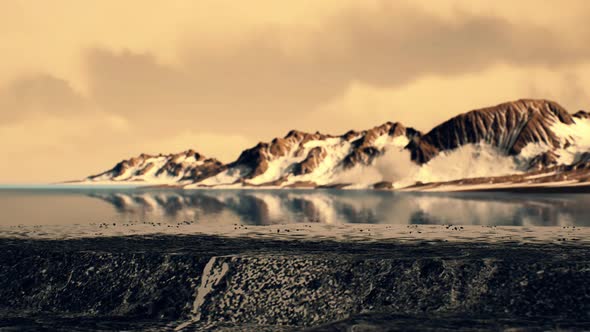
(348, 234)
(436, 187)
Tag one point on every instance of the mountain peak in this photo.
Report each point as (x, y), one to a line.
(531, 134)
(175, 166)
(508, 126)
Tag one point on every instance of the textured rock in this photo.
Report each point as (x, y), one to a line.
(258, 157)
(185, 165)
(311, 162)
(364, 150)
(236, 282)
(383, 185)
(582, 115)
(509, 126)
(544, 160)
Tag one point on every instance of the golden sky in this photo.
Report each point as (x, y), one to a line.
(84, 84)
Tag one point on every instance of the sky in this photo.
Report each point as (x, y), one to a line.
(85, 84)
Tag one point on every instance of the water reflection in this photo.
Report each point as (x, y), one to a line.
(256, 207)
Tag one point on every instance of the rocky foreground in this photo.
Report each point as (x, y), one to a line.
(207, 282)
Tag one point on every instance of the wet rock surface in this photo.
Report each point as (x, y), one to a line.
(206, 282)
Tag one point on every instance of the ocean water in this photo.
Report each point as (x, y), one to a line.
(68, 206)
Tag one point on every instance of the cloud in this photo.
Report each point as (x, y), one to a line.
(51, 132)
(222, 74)
(432, 99)
(38, 94)
(225, 148)
(273, 78)
(52, 148)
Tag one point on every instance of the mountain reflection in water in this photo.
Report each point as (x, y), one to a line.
(265, 207)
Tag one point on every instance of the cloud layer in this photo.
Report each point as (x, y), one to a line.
(219, 76)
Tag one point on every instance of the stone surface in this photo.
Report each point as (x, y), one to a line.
(198, 282)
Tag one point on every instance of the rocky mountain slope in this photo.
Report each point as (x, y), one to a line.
(307, 160)
(509, 142)
(511, 127)
(185, 166)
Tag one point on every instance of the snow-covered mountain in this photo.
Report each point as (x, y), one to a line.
(187, 166)
(309, 160)
(525, 141)
(514, 128)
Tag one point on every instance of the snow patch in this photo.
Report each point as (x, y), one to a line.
(279, 167)
(468, 161)
(228, 177)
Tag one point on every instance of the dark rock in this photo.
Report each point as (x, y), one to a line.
(299, 284)
(509, 126)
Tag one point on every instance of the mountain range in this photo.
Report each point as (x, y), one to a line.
(524, 143)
